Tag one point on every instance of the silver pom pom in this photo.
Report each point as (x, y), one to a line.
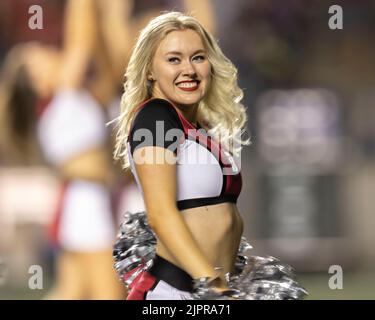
(255, 278)
(134, 249)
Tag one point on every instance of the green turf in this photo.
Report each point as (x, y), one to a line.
(355, 286)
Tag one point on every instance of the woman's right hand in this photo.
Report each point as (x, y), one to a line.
(219, 284)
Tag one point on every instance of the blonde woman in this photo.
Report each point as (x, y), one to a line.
(177, 81)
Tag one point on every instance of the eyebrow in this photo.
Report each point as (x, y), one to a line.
(180, 54)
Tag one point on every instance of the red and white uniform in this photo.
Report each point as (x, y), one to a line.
(71, 124)
(202, 179)
(202, 166)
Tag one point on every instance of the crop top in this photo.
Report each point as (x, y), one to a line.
(70, 123)
(206, 175)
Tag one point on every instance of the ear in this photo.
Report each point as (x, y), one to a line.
(150, 75)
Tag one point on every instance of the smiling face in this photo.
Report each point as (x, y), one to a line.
(180, 69)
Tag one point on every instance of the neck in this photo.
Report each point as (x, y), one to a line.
(189, 112)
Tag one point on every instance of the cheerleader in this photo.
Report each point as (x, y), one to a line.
(178, 76)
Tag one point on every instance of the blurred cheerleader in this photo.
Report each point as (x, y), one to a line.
(74, 140)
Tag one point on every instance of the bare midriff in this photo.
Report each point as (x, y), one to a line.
(92, 165)
(217, 229)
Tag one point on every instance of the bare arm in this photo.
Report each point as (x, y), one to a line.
(115, 23)
(81, 43)
(78, 42)
(203, 11)
(158, 182)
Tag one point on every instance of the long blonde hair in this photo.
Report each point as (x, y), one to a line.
(220, 111)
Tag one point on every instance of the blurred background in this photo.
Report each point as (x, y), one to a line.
(308, 177)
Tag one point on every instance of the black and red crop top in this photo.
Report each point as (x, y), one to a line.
(206, 175)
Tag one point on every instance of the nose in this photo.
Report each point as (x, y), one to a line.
(188, 69)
